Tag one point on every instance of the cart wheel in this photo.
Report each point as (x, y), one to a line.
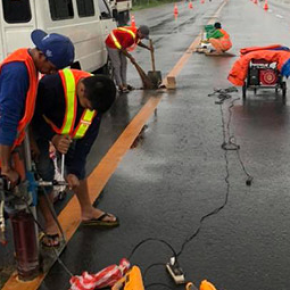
(244, 91)
(284, 90)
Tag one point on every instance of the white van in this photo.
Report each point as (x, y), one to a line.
(121, 11)
(86, 22)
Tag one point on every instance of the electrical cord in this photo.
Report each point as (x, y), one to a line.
(148, 240)
(151, 266)
(233, 146)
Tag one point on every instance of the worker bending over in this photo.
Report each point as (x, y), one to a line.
(119, 42)
(219, 39)
(68, 113)
(19, 75)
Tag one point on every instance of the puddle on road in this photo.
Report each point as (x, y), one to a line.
(139, 139)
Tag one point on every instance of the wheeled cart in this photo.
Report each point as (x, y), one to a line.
(264, 75)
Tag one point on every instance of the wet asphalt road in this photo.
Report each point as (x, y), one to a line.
(177, 173)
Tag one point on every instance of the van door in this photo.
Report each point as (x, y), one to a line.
(17, 22)
(107, 21)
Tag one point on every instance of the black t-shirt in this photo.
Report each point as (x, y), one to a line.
(51, 103)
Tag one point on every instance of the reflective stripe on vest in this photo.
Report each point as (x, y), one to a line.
(115, 40)
(71, 105)
(87, 117)
(84, 124)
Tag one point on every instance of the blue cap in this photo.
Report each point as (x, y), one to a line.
(57, 48)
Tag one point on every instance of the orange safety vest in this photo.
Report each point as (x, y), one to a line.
(70, 78)
(132, 31)
(22, 55)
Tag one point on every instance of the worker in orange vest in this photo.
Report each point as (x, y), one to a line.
(119, 42)
(219, 40)
(68, 113)
(19, 76)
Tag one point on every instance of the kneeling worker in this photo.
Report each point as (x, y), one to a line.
(119, 42)
(219, 39)
(68, 113)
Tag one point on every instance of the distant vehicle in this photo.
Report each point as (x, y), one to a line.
(86, 22)
(121, 11)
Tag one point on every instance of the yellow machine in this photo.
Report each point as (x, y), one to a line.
(131, 281)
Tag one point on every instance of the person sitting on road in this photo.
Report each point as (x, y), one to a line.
(119, 42)
(68, 113)
(19, 77)
(219, 40)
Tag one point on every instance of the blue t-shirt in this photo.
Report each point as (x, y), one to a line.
(14, 84)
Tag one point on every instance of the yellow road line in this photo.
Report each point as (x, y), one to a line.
(70, 217)
(186, 56)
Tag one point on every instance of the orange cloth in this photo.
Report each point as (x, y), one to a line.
(246, 50)
(239, 70)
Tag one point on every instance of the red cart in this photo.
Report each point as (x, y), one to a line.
(265, 75)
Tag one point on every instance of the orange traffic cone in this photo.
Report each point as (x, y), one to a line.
(133, 23)
(266, 7)
(255, 1)
(202, 1)
(190, 5)
(175, 10)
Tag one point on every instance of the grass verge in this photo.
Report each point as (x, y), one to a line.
(144, 4)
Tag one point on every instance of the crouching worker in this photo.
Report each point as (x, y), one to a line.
(68, 113)
(219, 40)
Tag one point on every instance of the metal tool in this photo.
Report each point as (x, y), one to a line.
(175, 271)
(154, 76)
(62, 165)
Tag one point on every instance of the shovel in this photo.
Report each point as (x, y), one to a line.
(154, 76)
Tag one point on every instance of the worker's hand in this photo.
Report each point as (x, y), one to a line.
(72, 181)
(11, 175)
(61, 143)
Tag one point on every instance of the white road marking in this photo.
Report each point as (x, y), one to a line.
(280, 16)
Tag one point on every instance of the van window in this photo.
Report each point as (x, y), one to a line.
(61, 9)
(16, 11)
(104, 9)
(85, 8)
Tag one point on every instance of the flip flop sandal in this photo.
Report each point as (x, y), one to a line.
(99, 222)
(49, 241)
(130, 88)
(125, 91)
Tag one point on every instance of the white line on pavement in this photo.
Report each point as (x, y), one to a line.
(280, 16)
